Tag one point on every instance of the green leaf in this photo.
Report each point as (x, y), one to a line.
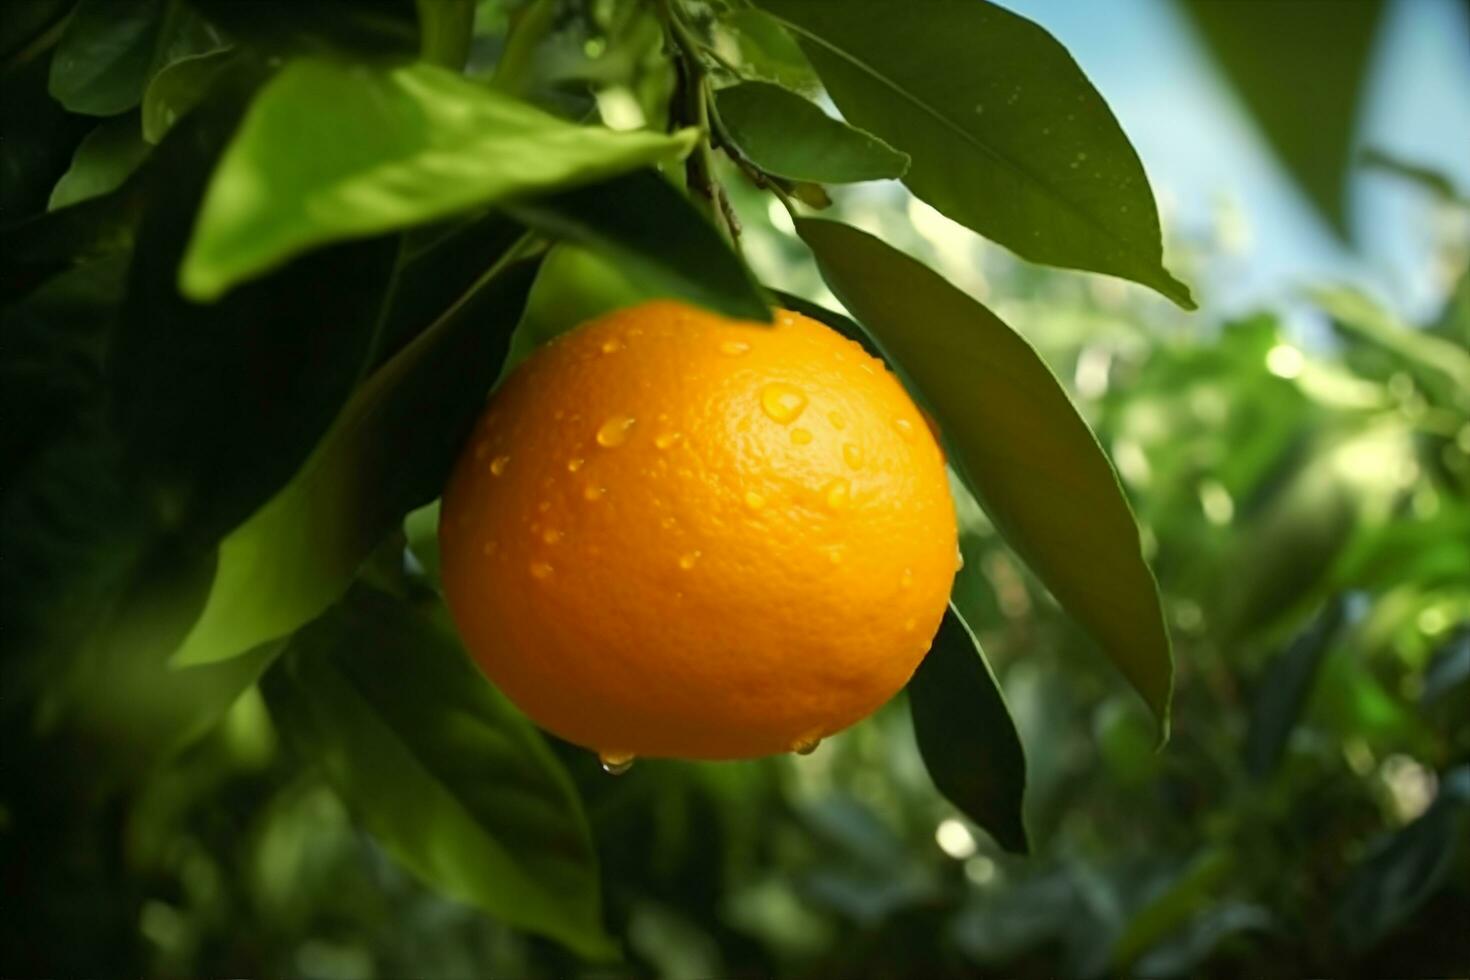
(391, 149)
(1300, 69)
(1286, 688)
(786, 136)
(1018, 441)
(389, 452)
(103, 161)
(1385, 890)
(105, 55)
(966, 737)
(178, 88)
(446, 27)
(356, 29)
(657, 237)
(439, 766)
(218, 405)
(1006, 134)
(1442, 365)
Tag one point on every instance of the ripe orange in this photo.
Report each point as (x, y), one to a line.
(674, 534)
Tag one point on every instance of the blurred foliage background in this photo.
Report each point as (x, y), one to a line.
(1301, 472)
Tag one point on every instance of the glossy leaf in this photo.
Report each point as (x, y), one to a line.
(1299, 67)
(1007, 135)
(439, 767)
(103, 161)
(392, 149)
(1285, 688)
(389, 452)
(786, 136)
(653, 232)
(965, 733)
(1017, 440)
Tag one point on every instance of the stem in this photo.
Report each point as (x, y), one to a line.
(693, 90)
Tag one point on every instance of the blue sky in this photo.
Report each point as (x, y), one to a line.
(1201, 148)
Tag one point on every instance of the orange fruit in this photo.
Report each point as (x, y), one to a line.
(675, 534)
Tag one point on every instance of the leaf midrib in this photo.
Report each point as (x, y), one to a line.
(964, 135)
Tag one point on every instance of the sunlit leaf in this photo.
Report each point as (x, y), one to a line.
(389, 452)
(391, 149)
(450, 778)
(1018, 441)
(1006, 134)
(786, 136)
(966, 736)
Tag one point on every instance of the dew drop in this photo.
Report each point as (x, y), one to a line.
(575, 464)
(541, 571)
(959, 558)
(614, 431)
(616, 763)
(801, 436)
(612, 345)
(853, 454)
(498, 465)
(905, 429)
(806, 746)
(688, 560)
(667, 523)
(754, 500)
(838, 493)
(838, 422)
(734, 348)
(551, 535)
(781, 402)
(593, 493)
(906, 580)
(666, 439)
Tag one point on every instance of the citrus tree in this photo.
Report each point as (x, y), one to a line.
(264, 261)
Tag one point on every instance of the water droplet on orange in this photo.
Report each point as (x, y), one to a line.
(551, 535)
(688, 560)
(593, 493)
(667, 523)
(754, 500)
(666, 439)
(612, 345)
(807, 745)
(838, 493)
(616, 763)
(801, 436)
(541, 570)
(614, 431)
(959, 558)
(488, 548)
(498, 465)
(782, 402)
(905, 429)
(853, 454)
(906, 580)
(575, 464)
(734, 348)
(543, 506)
(909, 625)
(835, 556)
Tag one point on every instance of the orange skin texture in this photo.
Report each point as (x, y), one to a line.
(674, 534)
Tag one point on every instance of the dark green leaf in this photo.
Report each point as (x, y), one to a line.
(103, 161)
(379, 29)
(1285, 688)
(1196, 885)
(106, 55)
(445, 27)
(1006, 134)
(389, 451)
(767, 51)
(1299, 66)
(40, 137)
(1018, 442)
(391, 149)
(657, 236)
(1435, 181)
(178, 88)
(1401, 875)
(786, 136)
(453, 781)
(219, 404)
(966, 736)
